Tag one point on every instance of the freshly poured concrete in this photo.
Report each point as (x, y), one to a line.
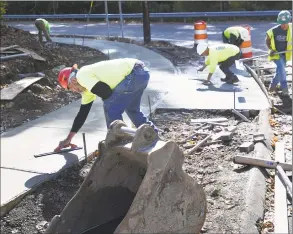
(166, 90)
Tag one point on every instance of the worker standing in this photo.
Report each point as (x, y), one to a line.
(235, 35)
(120, 83)
(43, 26)
(278, 39)
(222, 54)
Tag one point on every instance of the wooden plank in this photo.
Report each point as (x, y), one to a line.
(9, 47)
(281, 215)
(33, 54)
(208, 120)
(10, 52)
(12, 90)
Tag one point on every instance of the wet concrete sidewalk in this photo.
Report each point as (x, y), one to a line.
(20, 171)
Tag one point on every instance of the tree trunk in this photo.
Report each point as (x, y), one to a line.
(146, 23)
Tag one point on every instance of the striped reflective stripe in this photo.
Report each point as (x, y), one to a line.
(200, 31)
(247, 55)
(201, 40)
(200, 26)
(245, 44)
(201, 36)
(246, 50)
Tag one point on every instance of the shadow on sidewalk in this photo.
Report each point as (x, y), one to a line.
(39, 179)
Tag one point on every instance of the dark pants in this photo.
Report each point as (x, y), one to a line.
(233, 40)
(127, 97)
(42, 29)
(225, 65)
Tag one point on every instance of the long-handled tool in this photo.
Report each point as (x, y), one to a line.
(239, 63)
(280, 168)
(58, 150)
(270, 164)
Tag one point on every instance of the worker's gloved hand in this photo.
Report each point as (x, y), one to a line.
(63, 144)
(272, 52)
(207, 82)
(201, 69)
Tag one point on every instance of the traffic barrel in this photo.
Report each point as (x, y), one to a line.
(246, 46)
(200, 32)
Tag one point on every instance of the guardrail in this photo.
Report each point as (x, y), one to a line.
(152, 15)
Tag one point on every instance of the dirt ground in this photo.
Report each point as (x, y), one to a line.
(212, 166)
(45, 95)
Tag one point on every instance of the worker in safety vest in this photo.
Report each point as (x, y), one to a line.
(120, 83)
(278, 39)
(222, 54)
(235, 35)
(43, 26)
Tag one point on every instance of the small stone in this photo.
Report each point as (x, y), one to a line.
(42, 225)
(247, 147)
(226, 136)
(215, 193)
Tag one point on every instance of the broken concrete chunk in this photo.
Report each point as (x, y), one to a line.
(246, 147)
(231, 128)
(226, 136)
(258, 137)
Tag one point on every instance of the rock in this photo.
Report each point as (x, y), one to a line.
(215, 193)
(226, 136)
(217, 129)
(9, 105)
(247, 147)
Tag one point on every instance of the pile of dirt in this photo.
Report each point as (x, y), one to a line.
(45, 95)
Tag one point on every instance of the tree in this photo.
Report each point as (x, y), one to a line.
(2, 9)
(146, 22)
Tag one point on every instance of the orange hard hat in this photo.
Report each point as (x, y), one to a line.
(64, 74)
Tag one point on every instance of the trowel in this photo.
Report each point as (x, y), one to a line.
(60, 151)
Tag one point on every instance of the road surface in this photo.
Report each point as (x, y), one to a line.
(177, 33)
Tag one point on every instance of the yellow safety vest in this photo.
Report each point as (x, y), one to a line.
(233, 30)
(288, 55)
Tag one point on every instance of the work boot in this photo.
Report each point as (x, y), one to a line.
(231, 80)
(285, 92)
(272, 89)
(224, 79)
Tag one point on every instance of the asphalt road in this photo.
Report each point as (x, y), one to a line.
(177, 33)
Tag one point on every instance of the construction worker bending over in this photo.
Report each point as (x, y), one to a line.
(120, 83)
(235, 35)
(222, 54)
(278, 39)
(44, 27)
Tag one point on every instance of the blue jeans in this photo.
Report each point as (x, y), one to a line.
(280, 75)
(127, 97)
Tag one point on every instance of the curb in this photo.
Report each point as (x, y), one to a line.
(256, 187)
(5, 208)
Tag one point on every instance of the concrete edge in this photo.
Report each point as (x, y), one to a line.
(5, 208)
(256, 186)
(259, 82)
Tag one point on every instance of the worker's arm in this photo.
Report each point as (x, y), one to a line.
(203, 67)
(232, 39)
(268, 42)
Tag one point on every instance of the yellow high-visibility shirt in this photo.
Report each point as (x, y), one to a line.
(219, 53)
(111, 72)
(47, 25)
(235, 30)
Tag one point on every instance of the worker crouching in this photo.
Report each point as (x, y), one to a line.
(235, 35)
(43, 26)
(222, 54)
(120, 83)
(279, 39)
